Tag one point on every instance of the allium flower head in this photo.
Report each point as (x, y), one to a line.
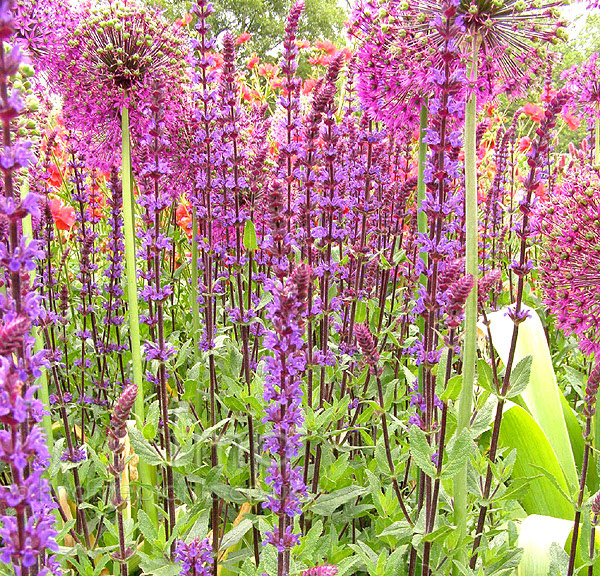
(36, 23)
(111, 59)
(399, 40)
(584, 82)
(570, 263)
(511, 35)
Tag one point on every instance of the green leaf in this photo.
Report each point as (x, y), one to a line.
(452, 391)
(485, 376)
(250, 242)
(520, 432)
(143, 448)
(519, 377)
(327, 504)
(459, 453)
(400, 529)
(146, 526)
(542, 396)
(151, 427)
(536, 536)
(420, 450)
(236, 534)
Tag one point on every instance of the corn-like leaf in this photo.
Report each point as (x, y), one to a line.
(537, 535)
(534, 452)
(542, 395)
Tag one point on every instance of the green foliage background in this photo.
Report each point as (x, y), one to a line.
(266, 19)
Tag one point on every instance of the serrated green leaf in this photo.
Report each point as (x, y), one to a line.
(250, 242)
(143, 448)
(519, 377)
(459, 453)
(326, 505)
(420, 450)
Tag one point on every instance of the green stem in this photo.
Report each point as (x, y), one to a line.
(194, 288)
(421, 216)
(597, 142)
(42, 383)
(465, 399)
(145, 471)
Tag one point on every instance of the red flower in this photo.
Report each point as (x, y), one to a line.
(541, 192)
(184, 219)
(309, 84)
(242, 38)
(183, 21)
(536, 112)
(63, 216)
(55, 176)
(254, 60)
(322, 60)
(326, 46)
(524, 144)
(573, 122)
(218, 60)
(267, 70)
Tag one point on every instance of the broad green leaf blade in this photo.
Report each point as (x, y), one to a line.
(521, 432)
(536, 536)
(545, 539)
(542, 395)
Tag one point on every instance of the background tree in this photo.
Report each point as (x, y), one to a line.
(265, 20)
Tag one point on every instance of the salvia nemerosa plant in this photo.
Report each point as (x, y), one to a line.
(308, 278)
(26, 519)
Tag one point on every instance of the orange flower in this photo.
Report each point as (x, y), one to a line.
(326, 46)
(63, 216)
(184, 219)
(267, 70)
(183, 21)
(254, 60)
(536, 112)
(302, 44)
(309, 84)
(218, 60)
(524, 144)
(322, 60)
(242, 38)
(573, 122)
(55, 176)
(540, 191)
(249, 94)
(276, 83)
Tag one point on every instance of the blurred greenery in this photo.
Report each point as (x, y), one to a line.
(265, 20)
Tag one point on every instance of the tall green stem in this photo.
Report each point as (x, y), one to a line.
(465, 400)
(194, 288)
(145, 471)
(421, 216)
(597, 142)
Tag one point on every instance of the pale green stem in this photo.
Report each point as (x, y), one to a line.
(597, 142)
(145, 471)
(194, 288)
(465, 399)
(421, 216)
(42, 382)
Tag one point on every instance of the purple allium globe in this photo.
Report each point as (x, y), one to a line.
(111, 60)
(570, 261)
(36, 23)
(584, 83)
(397, 47)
